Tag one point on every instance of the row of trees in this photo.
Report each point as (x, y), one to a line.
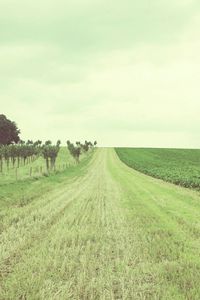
(50, 153)
(15, 152)
(78, 148)
(16, 155)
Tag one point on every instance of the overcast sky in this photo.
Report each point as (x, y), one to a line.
(126, 73)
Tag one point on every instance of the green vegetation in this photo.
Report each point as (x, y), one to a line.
(50, 153)
(100, 230)
(25, 160)
(179, 166)
(36, 168)
(9, 133)
(19, 193)
(80, 224)
(77, 150)
(16, 155)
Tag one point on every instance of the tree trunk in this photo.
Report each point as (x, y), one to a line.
(1, 165)
(47, 164)
(18, 161)
(7, 162)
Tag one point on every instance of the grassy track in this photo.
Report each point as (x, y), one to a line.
(108, 233)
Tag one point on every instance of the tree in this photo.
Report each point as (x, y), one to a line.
(50, 153)
(1, 159)
(80, 148)
(85, 146)
(74, 151)
(9, 133)
(53, 153)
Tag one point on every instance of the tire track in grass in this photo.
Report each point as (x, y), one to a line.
(105, 251)
(101, 248)
(38, 242)
(30, 225)
(85, 241)
(109, 245)
(16, 213)
(13, 258)
(14, 246)
(40, 214)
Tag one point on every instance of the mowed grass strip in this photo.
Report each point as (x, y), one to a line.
(179, 166)
(19, 193)
(23, 226)
(166, 219)
(29, 206)
(116, 234)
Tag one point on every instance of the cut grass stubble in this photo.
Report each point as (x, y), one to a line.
(108, 233)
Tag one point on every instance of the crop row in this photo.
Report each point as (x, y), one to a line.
(178, 166)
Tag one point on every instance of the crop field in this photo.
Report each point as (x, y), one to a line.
(179, 166)
(99, 230)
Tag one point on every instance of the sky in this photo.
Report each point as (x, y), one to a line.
(124, 73)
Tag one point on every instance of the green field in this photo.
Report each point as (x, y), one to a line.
(179, 166)
(99, 230)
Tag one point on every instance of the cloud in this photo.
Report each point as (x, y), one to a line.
(125, 71)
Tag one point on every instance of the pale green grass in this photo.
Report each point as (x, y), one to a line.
(109, 232)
